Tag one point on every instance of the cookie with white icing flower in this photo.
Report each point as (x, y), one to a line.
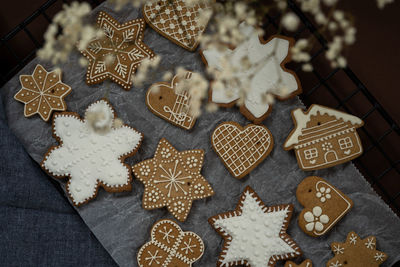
(170, 246)
(172, 179)
(164, 100)
(264, 76)
(356, 252)
(42, 92)
(91, 152)
(255, 234)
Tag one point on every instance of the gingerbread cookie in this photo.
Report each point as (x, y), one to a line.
(324, 205)
(42, 92)
(323, 137)
(170, 246)
(172, 179)
(118, 54)
(164, 101)
(255, 234)
(89, 157)
(306, 263)
(241, 149)
(356, 252)
(265, 75)
(178, 20)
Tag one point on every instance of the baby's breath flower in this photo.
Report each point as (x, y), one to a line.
(290, 21)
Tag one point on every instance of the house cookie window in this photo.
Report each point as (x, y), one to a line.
(311, 153)
(345, 143)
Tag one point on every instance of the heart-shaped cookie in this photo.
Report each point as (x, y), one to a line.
(241, 148)
(164, 101)
(178, 21)
(170, 246)
(324, 205)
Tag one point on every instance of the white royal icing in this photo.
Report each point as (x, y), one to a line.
(302, 118)
(256, 235)
(265, 68)
(88, 156)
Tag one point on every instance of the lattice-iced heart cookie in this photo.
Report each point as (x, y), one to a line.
(324, 205)
(91, 152)
(172, 179)
(241, 148)
(42, 92)
(170, 246)
(164, 101)
(118, 54)
(356, 252)
(179, 21)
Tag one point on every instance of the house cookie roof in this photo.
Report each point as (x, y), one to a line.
(301, 118)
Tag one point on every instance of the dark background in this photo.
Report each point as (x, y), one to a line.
(374, 58)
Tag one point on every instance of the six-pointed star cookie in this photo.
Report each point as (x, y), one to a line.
(255, 235)
(42, 92)
(356, 252)
(265, 74)
(118, 54)
(172, 179)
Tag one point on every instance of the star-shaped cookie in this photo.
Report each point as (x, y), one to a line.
(172, 179)
(306, 263)
(264, 75)
(356, 252)
(118, 53)
(42, 92)
(255, 235)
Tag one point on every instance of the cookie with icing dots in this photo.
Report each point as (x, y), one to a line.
(172, 179)
(255, 234)
(166, 102)
(91, 158)
(178, 20)
(118, 53)
(323, 137)
(170, 246)
(265, 75)
(241, 149)
(306, 263)
(42, 92)
(356, 252)
(324, 205)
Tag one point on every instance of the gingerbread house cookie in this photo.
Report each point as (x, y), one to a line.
(324, 137)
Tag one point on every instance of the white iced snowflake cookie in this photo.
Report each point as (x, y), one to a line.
(255, 234)
(265, 75)
(91, 152)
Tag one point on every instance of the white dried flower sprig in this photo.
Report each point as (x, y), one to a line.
(382, 3)
(73, 30)
(143, 69)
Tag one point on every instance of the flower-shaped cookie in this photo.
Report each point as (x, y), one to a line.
(118, 54)
(91, 158)
(42, 92)
(315, 219)
(172, 179)
(170, 246)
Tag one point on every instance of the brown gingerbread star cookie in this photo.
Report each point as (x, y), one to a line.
(306, 263)
(118, 53)
(356, 252)
(42, 92)
(172, 179)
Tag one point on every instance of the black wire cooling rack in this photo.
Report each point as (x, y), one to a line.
(372, 144)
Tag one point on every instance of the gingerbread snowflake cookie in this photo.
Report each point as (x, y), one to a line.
(265, 74)
(324, 205)
(91, 152)
(178, 20)
(164, 100)
(241, 148)
(42, 92)
(170, 246)
(324, 137)
(118, 53)
(306, 263)
(356, 252)
(172, 179)
(255, 234)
